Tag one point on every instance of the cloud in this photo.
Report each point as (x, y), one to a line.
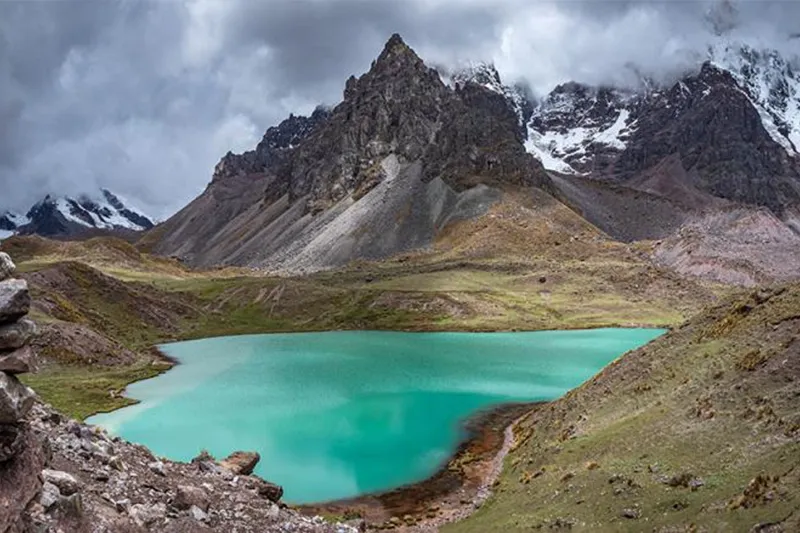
(144, 97)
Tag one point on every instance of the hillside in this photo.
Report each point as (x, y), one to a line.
(102, 304)
(698, 431)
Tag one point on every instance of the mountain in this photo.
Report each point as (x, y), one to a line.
(727, 133)
(401, 157)
(67, 217)
(405, 155)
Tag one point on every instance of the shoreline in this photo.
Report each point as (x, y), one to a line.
(458, 488)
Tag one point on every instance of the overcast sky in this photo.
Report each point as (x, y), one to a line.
(144, 97)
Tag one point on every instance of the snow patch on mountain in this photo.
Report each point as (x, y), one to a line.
(542, 149)
(773, 85)
(486, 75)
(572, 119)
(53, 216)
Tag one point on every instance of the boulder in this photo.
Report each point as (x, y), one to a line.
(50, 495)
(7, 266)
(15, 399)
(187, 496)
(241, 463)
(267, 490)
(15, 300)
(66, 483)
(12, 440)
(20, 483)
(16, 335)
(147, 515)
(157, 467)
(198, 514)
(20, 361)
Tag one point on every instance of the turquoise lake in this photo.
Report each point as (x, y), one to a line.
(339, 414)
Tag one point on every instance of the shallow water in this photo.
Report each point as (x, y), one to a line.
(340, 414)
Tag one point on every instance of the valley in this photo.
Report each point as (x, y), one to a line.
(451, 204)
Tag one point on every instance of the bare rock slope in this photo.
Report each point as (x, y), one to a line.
(383, 172)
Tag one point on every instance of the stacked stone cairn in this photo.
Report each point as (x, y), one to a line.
(16, 357)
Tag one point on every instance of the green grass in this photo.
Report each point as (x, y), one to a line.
(81, 391)
(641, 413)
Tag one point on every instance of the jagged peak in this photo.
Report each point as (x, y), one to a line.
(397, 62)
(396, 50)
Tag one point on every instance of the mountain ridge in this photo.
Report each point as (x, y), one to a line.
(75, 216)
(410, 150)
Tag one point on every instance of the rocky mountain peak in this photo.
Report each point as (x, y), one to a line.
(397, 69)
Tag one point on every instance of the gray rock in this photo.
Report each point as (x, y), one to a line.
(147, 515)
(265, 489)
(7, 266)
(71, 505)
(123, 505)
(157, 467)
(631, 513)
(15, 399)
(50, 495)
(66, 483)
(17, 335)
(116, 463)
(198, 514)
(187, 496)
(12, 441)
(15, 300)
(20, 361)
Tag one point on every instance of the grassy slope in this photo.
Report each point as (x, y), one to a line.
(103, 304)
(716, 399)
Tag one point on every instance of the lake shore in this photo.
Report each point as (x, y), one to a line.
(455, 491)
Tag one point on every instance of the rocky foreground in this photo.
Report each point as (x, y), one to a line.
(58, 475)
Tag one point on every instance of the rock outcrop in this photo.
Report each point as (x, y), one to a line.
(21, 456)
(95, 482)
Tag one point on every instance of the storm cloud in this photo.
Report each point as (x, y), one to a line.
(145, 97)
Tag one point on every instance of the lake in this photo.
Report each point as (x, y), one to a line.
(340, 414)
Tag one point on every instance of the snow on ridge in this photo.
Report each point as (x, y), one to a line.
(65, 207)
(611, 136)
(772, 86)
(486, 75)
(538, 147)
(552, 148)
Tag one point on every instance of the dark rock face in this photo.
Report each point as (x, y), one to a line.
(273, 149)
(710, 137)
(711, 125)
(19, 480)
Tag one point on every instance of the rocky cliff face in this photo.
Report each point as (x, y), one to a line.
(401, 156)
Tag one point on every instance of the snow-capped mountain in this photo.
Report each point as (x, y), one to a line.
(66, 216)
(577, 129)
